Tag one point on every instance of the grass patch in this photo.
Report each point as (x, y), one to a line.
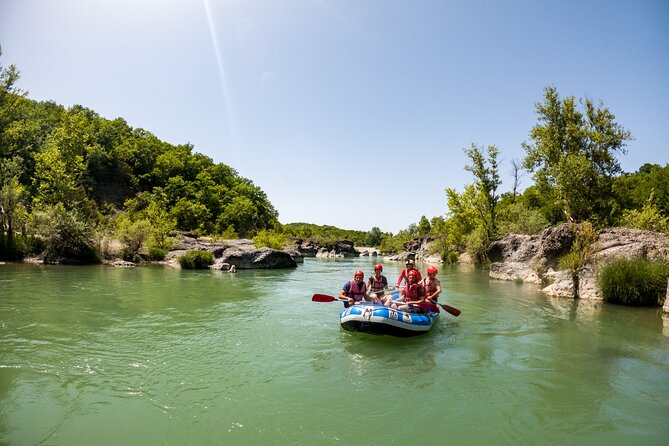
(196, 260)
(638, 282)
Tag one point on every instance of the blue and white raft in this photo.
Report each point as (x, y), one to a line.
(379, 319)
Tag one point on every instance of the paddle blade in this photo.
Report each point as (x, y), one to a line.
(323, 298)
(454, 311)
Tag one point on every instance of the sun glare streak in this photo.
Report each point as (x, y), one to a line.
(221, 73)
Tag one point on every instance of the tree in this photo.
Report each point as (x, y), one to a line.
(373, 237)
(462, 216)
(633, 190)
(10, 97)
(67, 235)
(573, 153)
(424, 226)
(60, 168)
(12, 193)
(486, 182)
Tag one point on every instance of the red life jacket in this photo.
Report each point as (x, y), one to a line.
(411, 292)
(357, 292)
(430, 287)
(377, 285)
(405, 275)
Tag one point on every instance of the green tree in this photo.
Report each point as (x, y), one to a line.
(462, 216)
(634, 189)
(133, 235)
(517, 218)
(573, 153)
(10, 97)
(373, 237)
(67, 235)
(60, 167)
(424, 226)
(486, 181)
(12, 194)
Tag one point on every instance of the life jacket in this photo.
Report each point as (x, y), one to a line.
(357, 292)
(405, 275)
(411, 291)
(430, 287)
(377, 285)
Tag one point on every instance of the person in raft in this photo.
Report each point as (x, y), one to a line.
(378, 282)
(412, 296)
(405, 272)
(355, 290)
(432, 285)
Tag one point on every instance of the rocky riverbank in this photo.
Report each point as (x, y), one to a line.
(535, 258)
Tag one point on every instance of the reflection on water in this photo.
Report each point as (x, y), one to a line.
(163, 356)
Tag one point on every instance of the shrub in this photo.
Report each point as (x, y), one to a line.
(156, 253)
(581, 250)
(649, 218)
(634, 282)
(476, 243)
(270, 239)
(518, 218)
(67, 235)
(196, 260)
(449, 257)
(133, 234)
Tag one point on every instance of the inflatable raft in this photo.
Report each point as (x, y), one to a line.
(378, 319)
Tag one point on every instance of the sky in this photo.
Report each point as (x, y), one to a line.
(351, 113)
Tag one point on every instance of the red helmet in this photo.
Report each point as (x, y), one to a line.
(432, 270)
(378, 268)
(413, 273)
(359, 273)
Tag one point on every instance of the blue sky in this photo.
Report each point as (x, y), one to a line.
(348, 113)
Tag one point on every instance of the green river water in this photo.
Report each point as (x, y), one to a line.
(158, 356)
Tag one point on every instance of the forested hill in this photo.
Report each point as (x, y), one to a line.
(99, 166)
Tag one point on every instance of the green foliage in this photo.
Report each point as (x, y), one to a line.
(581, 250)
(67, 235)
(449, 258)
(634, 282)
(572, 153)
(60, 166)
(394, 244)
(324, 234)
(424, 226)
(229, 234)
(543, 199)
(17, 246)
(133, 234)
(374, 237)
(196, 260)
(633, 190)
(518, 218)
(461, 217)
(649, 218)
(486, 183)
(271, 239)
(476, 243)
(157, 254)
(13, 212)
(76, 158)
(472, 216)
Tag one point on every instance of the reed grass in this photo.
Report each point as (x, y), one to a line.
(636, 282)
(196, 260)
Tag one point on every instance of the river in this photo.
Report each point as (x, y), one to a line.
(159, 356)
